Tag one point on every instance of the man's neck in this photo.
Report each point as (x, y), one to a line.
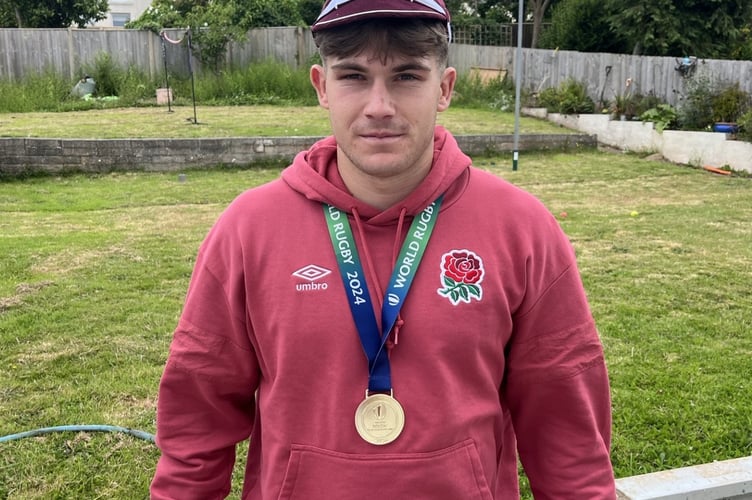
(382, 192)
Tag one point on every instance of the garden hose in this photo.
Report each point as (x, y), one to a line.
(79, 428)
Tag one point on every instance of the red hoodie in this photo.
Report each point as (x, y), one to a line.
(495, 335)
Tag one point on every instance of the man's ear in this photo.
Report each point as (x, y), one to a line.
(448, 79)
(318, 80)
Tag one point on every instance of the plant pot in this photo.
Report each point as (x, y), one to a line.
(726, 127)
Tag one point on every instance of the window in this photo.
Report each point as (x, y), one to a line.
(120, 18)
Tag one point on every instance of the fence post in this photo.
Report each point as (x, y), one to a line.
(71, 58)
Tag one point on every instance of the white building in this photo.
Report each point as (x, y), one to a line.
(122, 11)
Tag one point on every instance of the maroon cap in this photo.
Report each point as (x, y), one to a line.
(340, 12)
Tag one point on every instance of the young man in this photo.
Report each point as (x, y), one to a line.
(385, 321)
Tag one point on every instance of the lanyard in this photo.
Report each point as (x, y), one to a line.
(353, 277)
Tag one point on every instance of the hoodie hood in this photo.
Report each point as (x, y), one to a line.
(314, 174)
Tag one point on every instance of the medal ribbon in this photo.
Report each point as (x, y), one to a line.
(354, 280)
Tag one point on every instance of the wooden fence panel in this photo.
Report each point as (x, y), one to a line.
(67, 51)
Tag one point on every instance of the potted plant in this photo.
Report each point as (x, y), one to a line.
(728, 106)
(623, 106)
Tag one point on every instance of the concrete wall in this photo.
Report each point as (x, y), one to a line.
(711, 149)
(728, 479)
(21, 156)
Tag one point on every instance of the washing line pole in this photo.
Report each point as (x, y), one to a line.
(518, 84)
(190, 68)
(167, 78)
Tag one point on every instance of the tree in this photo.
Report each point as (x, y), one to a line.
(538, 8)
(501, 11)
(582, 25)
(51, 13)
(214, 23)
(703, 28)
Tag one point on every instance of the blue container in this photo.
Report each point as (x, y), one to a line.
(728, 128)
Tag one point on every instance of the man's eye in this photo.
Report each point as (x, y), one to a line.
(407, 77)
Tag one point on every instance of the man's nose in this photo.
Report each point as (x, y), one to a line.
(379, 100)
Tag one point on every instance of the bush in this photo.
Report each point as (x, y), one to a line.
(663, 115)
(745, 126)
(570, 97)
(730, 104)
(695, 112)
(472, 92)
(268, 82)
(707, 102)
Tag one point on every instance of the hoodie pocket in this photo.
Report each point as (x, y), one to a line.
(449, 474)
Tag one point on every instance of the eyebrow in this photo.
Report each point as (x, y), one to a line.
(352, 66)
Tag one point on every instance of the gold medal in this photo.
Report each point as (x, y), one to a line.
(379, 419)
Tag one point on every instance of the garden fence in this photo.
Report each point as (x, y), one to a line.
(69, 51)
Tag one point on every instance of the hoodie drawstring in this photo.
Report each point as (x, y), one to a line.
(379, 299)
(395, 253)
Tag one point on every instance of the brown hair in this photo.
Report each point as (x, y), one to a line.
(386, 37)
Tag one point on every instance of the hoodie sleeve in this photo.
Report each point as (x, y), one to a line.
(557, 389)
(206, 396)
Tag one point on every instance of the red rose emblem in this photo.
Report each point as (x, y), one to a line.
(462, 267)
(461, 274)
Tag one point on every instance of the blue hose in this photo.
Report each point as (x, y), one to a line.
(79, 428)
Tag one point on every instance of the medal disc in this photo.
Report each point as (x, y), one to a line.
(379, 419)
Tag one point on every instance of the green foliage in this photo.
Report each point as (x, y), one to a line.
(268, 82)
(570, 97)
(745, 126)
(309, 10)
(43, 91)
(129, 85)
(706, 102)
(743, 48)
(472, 92)
(623, 105)
(217, 23)
(730, 103)
(581, 25)
(696, 108)
(663, 115)
(646, 102)
(719, 29)
(681, 27)
(51, 13)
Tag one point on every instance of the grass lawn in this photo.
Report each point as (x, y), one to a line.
(235, 121)
(95, 269)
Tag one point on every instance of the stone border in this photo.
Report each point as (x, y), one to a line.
(24, 156)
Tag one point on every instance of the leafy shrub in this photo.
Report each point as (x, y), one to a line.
(730, 104)
(44, 91)
(625, 105)
(130, 85)
(695, 112)
(706, 102)
(472, 92)
(570, 97)
(663, 115)
(745, 126)
(268, 82)
(644, 103)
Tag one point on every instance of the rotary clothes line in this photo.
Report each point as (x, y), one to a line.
(186, 36)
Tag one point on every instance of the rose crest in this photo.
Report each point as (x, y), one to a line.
(461, 274)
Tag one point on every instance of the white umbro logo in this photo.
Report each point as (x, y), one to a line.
(311, 273)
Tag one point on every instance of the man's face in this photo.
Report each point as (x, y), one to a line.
(383, 114)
